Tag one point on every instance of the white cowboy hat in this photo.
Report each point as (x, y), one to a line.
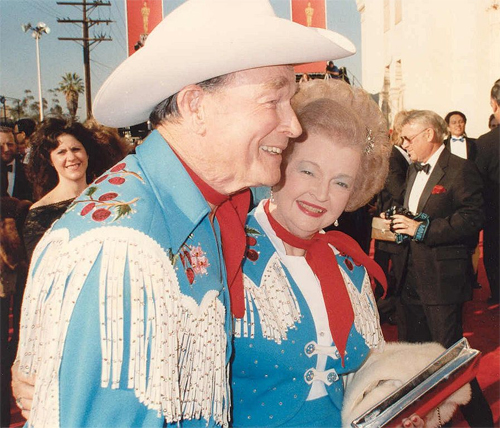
(202, 39)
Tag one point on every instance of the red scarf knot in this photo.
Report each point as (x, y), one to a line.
(321, 258)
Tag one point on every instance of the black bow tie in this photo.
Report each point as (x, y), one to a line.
(10, 168)
(422, 167)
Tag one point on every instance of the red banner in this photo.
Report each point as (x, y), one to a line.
(142, 17)
(311, 13)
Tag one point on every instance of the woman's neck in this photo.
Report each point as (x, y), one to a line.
(65, 189)
(293, 251)
(289, 249)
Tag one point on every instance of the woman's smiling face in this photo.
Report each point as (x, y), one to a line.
(69, 159)
(318, 181)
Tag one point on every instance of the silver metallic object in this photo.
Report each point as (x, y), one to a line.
(457, 361)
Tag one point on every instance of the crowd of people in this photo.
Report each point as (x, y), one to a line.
(153, 296)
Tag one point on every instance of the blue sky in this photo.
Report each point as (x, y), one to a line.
(18, 49)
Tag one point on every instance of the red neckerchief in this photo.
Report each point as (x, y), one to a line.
(321, 258)
(231, 213)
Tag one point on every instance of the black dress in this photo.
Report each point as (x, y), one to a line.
(39, 220)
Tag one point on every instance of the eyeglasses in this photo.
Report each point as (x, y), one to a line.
(410, 139)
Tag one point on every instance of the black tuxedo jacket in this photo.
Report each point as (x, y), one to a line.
(487, 160)
(471, 147)
(442, 263)
(22, 187)
(393, 190)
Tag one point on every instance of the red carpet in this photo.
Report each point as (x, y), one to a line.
(481, 328)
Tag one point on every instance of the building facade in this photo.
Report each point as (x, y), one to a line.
(440, 55)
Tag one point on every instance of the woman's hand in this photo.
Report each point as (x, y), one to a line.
(414, 421)
(23, 388)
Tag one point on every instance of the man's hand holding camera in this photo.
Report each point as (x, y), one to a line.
(405, 224)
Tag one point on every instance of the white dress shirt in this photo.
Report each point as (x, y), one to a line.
(11, 176)
(421, 180)
(458, 148)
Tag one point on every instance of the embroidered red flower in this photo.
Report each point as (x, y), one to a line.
(438, 189)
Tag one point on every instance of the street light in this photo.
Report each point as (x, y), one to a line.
(36, 33)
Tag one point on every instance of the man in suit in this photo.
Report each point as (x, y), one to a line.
(445, 192)
(18, 185)
(22, 131)
(487, 162)
(457, 142)
(392, 191)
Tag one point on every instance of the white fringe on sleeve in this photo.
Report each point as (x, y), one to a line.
(186, 376)
(274, 301)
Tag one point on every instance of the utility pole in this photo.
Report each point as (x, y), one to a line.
(87, 7)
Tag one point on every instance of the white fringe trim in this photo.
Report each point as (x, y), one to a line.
(188, 377)
(366, 317)
(274, 301)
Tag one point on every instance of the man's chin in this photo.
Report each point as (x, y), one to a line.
(269, 181)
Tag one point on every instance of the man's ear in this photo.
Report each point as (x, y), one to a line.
(192, 108)
(494, 106)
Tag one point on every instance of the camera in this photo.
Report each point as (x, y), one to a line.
(391, 212)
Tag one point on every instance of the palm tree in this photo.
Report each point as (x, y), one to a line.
(71, 86)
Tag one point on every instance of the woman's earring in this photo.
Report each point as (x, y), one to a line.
(271, 196)
(336, 223)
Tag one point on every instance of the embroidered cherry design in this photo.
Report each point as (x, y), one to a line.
(251, 240)
(101, 179)
(118, 167)
(101, 214)
(116, 180)
(108, 196)
(87, 208)
(252, 255)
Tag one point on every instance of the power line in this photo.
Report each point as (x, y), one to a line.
(87, 7)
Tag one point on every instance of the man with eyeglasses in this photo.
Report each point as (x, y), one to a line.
(444, 193)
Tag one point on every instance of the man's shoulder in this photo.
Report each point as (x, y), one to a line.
(116, 198)
(490, 138)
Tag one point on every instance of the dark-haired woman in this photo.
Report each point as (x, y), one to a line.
(65, 157)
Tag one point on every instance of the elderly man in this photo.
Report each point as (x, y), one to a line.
(127, 314)
(436, 275)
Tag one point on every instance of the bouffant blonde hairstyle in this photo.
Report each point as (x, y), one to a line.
(346, 114)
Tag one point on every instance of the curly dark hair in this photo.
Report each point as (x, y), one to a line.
(45, 139)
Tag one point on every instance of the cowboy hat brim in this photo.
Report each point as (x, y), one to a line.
(203, 39)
